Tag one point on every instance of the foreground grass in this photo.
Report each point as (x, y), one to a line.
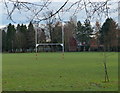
(76, 72)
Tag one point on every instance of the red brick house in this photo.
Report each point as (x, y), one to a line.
(93, 44)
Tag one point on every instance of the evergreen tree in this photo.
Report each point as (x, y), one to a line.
(3, 41)
(17, 43)
(18, 28)
(23, 31)
(30, 36)
(10, 38)
(108, 34)
(83, 32)
(80, 32)
(21, 40)
(87, 31)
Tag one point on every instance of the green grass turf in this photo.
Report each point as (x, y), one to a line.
(81, 71)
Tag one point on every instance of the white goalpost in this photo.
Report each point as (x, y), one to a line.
(36, 27)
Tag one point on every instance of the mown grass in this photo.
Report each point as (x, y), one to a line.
(81, 71)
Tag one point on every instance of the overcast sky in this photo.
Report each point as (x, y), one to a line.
(80, 15)
(50, 0)
(59, 0)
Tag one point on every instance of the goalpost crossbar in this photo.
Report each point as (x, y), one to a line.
(46, 44)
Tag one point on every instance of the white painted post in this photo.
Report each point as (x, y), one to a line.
(63, 40)
(36, 28)
(36, 39)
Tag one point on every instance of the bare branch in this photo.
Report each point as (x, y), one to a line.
(91, 9)
(55, 12)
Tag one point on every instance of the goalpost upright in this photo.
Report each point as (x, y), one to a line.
(36, 25)
(63, 39)
(36, 40)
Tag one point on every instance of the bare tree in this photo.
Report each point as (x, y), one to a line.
(105, 67)
(37, 8)
(49, 23)
(69, 30)
(34, 9)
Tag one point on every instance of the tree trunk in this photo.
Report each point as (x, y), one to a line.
(105, 68)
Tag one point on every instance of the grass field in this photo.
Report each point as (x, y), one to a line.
(76, 72)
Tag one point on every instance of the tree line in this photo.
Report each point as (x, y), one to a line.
(77, 36)
(99, 38)
(20, 38)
